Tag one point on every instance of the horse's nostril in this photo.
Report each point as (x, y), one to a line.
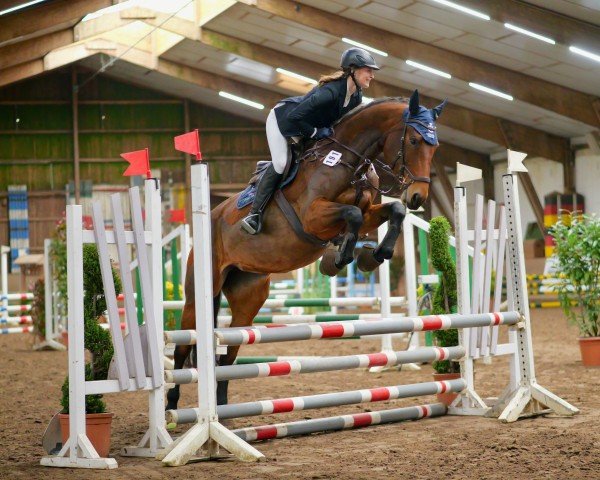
(415, 201)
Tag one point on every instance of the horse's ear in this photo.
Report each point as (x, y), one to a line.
(413, 104)
(437, 111)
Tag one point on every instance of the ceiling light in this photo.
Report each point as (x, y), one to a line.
(469, 11)
(362, 45)
(585, 53)
(245, 101)
(297, 76)
(491, 91)
(428, 69)
(19, 7)
(528, 33)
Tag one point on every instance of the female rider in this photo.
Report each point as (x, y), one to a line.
(309, 116)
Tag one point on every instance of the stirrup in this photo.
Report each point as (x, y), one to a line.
(248, 227)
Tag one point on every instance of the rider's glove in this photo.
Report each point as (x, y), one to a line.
(322, 133)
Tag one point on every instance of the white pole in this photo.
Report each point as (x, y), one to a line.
(469, 399)
(4, 274)
(384, 283)
(300, 281)
(333, 292)
(410, 272)
(50, 320)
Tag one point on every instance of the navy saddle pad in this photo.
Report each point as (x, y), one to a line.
(247, 195)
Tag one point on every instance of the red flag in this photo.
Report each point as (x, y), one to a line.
(177, 216)
(189, 143)
(139, 163)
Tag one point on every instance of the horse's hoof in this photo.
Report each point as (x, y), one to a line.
(366, 261)
(327, 265)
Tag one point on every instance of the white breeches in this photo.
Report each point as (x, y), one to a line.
(280, 152)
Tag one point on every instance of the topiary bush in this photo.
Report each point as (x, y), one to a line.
(38, 307)
(97, 340)
(445, 295)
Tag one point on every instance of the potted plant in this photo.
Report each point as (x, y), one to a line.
(98, 342)
(577, 253)
(444, 301)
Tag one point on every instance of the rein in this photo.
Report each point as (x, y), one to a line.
(401, 181)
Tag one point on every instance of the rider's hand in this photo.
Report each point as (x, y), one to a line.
(323, 133)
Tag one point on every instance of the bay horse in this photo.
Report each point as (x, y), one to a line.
(331, 201)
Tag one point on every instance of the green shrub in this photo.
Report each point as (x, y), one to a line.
(96, 339)
(38, 307)
(445, 295)
(578, 262)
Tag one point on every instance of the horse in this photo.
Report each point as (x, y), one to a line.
(334, 202)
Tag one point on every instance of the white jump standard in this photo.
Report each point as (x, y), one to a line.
(523, 396)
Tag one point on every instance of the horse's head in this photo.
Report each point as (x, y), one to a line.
(408, 150)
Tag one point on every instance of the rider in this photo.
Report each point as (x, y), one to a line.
(309, 116)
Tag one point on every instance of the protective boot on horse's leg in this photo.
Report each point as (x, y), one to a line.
(267, 185)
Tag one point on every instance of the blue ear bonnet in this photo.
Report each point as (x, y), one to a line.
(424, 117)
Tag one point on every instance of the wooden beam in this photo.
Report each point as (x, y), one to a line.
(534, 200)
(525, 139)
(541, 93)
(516, 138)
(489, 191)
(33, 49)
(442, 206)
(21, 72)
(448, 155)
(569, 173)
(444, 181)
(562, 28)
(45, 18)
(216, 83)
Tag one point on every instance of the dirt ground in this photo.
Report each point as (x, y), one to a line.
(448, 447)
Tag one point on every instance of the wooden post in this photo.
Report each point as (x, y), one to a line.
(75, 117)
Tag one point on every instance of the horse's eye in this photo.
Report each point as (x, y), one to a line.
(413, 141)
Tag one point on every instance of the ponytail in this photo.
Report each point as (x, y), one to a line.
(333, 76)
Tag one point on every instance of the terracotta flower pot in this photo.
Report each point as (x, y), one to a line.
(97, 427)
(448, 397)
(590, 351)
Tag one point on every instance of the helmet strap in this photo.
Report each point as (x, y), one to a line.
(358, 89)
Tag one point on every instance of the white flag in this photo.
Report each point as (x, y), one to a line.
(515, 161)
(464, 173)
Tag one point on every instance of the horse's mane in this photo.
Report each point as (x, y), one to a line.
(365, 106)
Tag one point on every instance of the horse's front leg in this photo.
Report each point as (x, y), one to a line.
(325, 219)
(354, 219)
(393, 213)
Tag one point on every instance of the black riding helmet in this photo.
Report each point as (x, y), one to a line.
(358, 58)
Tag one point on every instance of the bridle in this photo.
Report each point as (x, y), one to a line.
(400, 181)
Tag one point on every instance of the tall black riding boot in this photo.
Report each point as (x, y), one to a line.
(264, 190)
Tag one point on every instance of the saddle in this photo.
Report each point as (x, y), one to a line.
(247, 195)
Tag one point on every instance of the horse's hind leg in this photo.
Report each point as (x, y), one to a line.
(246, 293)
(188, 322)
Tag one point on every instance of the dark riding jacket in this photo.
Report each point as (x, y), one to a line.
(319, 108)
